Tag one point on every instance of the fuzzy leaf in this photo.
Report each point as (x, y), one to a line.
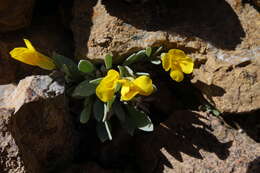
(148, 51)
(86, 112)
(108, 61)
(84, 89)
(156, 62)
(131, 59)
(125, 71)
(119, 111)
(98, 110)
(86, 66)
(102, 132)
(96, 81)
(62, 61)
(141, 120)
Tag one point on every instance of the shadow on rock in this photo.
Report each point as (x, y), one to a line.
(213, 21)
(254, 166)
(249, 123)
(184, 132)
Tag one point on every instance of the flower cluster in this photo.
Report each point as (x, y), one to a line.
(176, 61)
(106, 92)
(130, 87)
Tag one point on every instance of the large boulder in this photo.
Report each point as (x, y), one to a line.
(101, 27)
(221, 36)
(36, 128)
(15, 14)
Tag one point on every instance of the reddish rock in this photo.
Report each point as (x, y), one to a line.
(226, 52)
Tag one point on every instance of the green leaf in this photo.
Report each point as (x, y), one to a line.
(118, 87)
(108, 129)
(142, 74)
(64, 68)
(98, 110)
(96, 81)
(86, 66)
(108, 61)
(129, 125)
(62, 61)
(85, 114)
(141, 120)
(148, 51)
(135, 57)
(119, 111)
(102, 132)
(156, 62)
(110, 102)
(125, 71)
(131, 59)
(215, 112)
(106, 110)
(84, 89)
(158, 51)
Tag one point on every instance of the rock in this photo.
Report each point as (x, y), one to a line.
(230, 79)
(47, 36)
(15, 14)
(101, 27)
(191, 141)
(230, 88)
(38, 125)
(10, 159)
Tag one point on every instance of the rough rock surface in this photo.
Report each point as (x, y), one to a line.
(15, 14)
(197, 142)
(230, 88)
(38, 137)
(10, 159)
(200, 29)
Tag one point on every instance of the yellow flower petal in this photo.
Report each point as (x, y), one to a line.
(29, 44)
(177, 53)
(128, 90)
(166, 61)
(32, 57)
(45, 62)
(106, 88)
(186, 65)
(25, 55)
(141, 85)
(177, 75)
(145, 84)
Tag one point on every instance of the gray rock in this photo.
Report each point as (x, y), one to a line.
(37, 125)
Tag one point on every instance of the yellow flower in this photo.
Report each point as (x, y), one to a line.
(29, 55)
(130, 88)
(106, 88)
(178, 62)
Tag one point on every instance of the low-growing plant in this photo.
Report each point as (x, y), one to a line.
(110, 89)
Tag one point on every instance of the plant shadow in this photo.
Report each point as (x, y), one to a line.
(248, 123)
(184, 132)
(213, 21)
